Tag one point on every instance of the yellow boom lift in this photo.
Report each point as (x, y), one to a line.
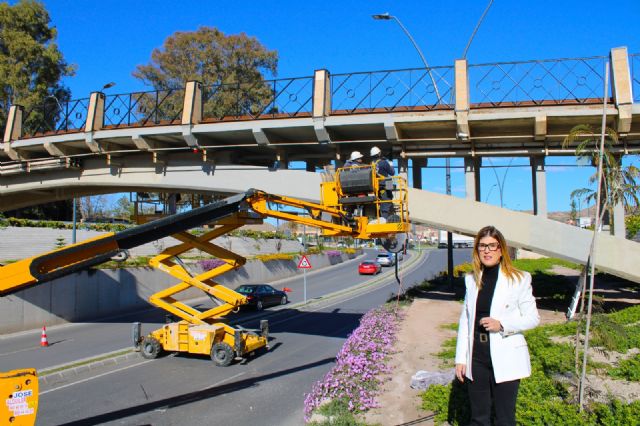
(351, 205)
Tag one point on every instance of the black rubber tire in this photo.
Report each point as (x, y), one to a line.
(284, 300)
(150, 348)
(221, 354)
(259, 305)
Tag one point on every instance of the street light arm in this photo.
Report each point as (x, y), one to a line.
(386, 17)
(424, 60)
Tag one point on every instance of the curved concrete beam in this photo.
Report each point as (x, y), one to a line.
(613, 255)
(33, 188)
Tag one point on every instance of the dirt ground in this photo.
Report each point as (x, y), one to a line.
(420, 338)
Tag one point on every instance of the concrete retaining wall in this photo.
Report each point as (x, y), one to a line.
(98, 293)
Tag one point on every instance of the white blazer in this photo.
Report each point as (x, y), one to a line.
(514, 306)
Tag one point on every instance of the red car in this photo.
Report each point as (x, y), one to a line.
(369, 267)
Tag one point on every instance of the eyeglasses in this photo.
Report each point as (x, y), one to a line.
(490, 246)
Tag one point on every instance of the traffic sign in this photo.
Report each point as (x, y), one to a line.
(304, 263)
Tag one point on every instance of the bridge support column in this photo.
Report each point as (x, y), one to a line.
(191, 111)
(472, 178)
(539, 184)
(463, 131)
(621, 84)
(416, 171)
(95, 120)
(321, 104)
(13, 130)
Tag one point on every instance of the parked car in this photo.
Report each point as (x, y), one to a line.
(261, 295)
(369, 267)
(386, 259)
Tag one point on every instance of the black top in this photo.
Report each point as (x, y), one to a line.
(485, 295)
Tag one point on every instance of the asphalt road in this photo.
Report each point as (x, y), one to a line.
(183, 390)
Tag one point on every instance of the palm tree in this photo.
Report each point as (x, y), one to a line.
(619, 184)
(614, 184)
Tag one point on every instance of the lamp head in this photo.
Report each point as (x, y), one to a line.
(382, 16)
(108, 85)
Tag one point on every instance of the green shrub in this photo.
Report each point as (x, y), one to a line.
(628, 369)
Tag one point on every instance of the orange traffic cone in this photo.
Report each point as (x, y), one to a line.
(43, 340)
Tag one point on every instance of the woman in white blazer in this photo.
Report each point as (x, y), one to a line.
(491, 351)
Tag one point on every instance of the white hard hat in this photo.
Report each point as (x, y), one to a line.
(355, 155)
(375, 151)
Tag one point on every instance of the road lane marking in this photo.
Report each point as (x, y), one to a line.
(95, 377)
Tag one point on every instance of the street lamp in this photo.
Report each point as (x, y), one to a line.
(108, 85)
(386, 17)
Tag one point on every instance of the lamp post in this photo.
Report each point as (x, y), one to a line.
(504, 178)
(386, 17)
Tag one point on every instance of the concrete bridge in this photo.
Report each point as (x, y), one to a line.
(222, 139)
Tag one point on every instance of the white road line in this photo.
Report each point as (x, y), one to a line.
(20, 350)
(95, 377)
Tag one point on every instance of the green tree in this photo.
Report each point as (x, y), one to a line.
(619, 183)
(31, 65)
(230, 67)
(573, 214)
(123, 208)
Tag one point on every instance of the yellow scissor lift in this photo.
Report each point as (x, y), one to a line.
(351, 205)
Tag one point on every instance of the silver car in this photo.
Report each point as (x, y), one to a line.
(385, 259)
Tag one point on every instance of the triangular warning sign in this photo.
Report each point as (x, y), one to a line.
(304, 263)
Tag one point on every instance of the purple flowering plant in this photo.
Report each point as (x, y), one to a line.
(333, 253)
(361, 365)
(208, 264)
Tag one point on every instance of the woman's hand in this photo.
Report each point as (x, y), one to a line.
(490, 324)
(461, 370)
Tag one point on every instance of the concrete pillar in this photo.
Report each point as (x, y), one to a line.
(13, 129)
(462, 100)
(95, 113)
(539, 184)
(621, 85)
(192, 107)
(416, 171)
(321, 94)
(472, 178)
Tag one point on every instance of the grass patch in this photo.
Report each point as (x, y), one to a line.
(447, 353)
(336, 413)
(542, 400)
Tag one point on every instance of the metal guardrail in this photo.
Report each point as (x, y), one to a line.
(538, 82)
(143, 108)
(288, 97)
(53, 117)
(408, 89)
(634, 60)
(554, 81)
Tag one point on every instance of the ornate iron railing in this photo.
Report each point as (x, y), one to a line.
(288, 97)
(409, 89)
(53, 117)
(635, 76)
(143, 108)
(554, 81)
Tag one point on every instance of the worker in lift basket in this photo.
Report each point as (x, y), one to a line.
(384, 168)
(354, 160)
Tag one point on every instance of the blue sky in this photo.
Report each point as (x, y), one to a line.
(107, 39)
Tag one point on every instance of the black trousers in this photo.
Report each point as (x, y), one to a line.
(485, 393)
